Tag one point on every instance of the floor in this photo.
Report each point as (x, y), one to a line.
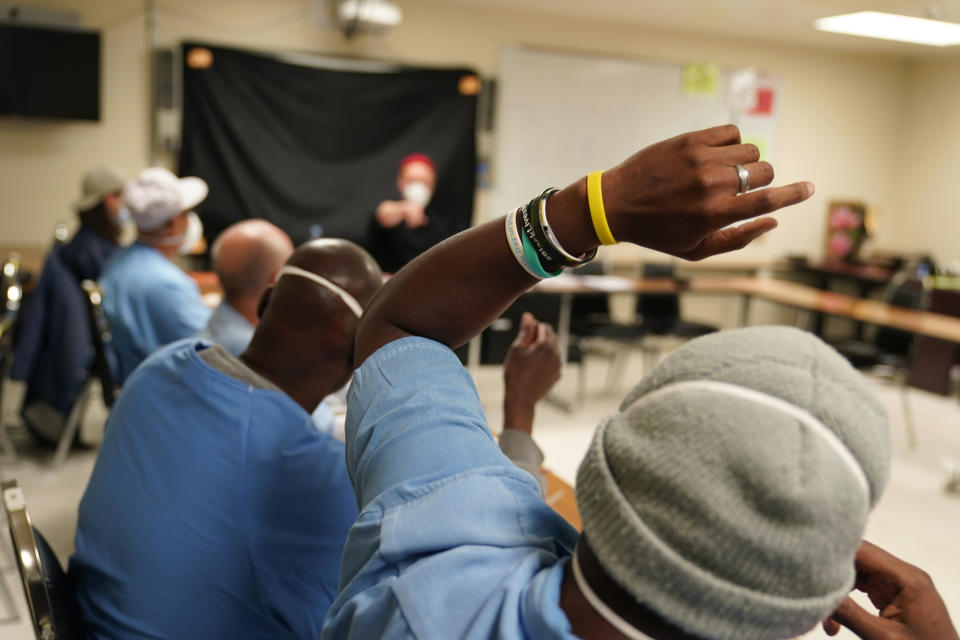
(916, 519)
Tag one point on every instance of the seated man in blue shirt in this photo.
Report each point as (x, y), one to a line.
(726, 499)
(149, 300)
(216, 509)
(246, 257)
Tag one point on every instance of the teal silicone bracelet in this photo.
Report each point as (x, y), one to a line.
(533, 260)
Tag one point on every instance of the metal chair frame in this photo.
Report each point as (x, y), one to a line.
(28, 561)
(100, 369)
(12, 293)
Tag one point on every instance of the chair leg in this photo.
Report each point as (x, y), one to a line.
(615, 372)
(7, 447)
(651, 356)
(908, 414)
(72, 424)
(582, 378)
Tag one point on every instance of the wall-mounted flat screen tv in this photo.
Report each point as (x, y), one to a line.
(49, 72)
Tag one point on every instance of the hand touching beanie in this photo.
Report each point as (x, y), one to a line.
(730, 492)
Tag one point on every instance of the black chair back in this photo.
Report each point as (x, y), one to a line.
(50, 597)
(500, 335)
(659, 311)
(588, 312)
(103, 365)
(909, 292)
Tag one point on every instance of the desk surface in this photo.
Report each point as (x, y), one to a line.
(791, 294)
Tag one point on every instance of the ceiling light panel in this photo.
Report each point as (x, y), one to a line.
(888, 26)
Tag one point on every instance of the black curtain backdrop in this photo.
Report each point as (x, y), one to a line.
(301, 145)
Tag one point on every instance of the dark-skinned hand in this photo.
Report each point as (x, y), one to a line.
(908, 605)
(679, 196)
(530, 370)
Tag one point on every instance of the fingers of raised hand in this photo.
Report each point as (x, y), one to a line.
(755, 203)
(547, 335)
(761, 174)
(733, 154)
(730, 239)
(726, 134)
(527, 332)
(726, 180)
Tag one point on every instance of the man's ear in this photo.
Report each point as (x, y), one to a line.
(264, 301)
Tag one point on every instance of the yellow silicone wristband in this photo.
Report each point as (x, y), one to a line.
(597, 213)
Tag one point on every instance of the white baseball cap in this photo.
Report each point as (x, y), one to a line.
(156, 196)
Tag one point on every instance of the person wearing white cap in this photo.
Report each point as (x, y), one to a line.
(148, 300)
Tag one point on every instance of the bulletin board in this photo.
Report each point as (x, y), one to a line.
(561, 115)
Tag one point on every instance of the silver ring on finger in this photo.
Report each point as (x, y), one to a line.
(744, 177)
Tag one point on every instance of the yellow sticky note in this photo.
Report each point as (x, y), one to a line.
(701, 79)
(763, 144)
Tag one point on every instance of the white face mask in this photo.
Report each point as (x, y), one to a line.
(191, 235)
(342, 293)
(417, 193)
(128, 230)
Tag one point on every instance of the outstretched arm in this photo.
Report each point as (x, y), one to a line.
(677, 196)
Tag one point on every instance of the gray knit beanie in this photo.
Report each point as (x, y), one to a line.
(731, 491)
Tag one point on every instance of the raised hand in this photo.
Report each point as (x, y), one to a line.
(389, 214)
(677, 196)
(530, 370)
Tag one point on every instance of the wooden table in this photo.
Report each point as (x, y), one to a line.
(798, 296)
(938, 326)
(790, 294)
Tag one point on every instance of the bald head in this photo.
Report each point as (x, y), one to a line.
(304, 342)
(247, 257)
(344, 270)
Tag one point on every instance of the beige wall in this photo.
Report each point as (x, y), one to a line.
(928, 162)
(842, 123)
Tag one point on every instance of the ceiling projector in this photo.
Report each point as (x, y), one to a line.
(364, 16)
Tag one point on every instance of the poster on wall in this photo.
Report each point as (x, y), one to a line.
(755, 99)
(313, 144)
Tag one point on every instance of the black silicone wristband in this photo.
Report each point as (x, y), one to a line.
(550, 258)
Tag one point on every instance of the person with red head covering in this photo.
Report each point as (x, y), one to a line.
(403, 229)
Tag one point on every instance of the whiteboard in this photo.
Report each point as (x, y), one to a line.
(562, 115)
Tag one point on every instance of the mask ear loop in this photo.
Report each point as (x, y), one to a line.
(342, 293)
(601, 607)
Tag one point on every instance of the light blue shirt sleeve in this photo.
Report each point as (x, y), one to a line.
(178, 313)
(453, 540)
(414, 414)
